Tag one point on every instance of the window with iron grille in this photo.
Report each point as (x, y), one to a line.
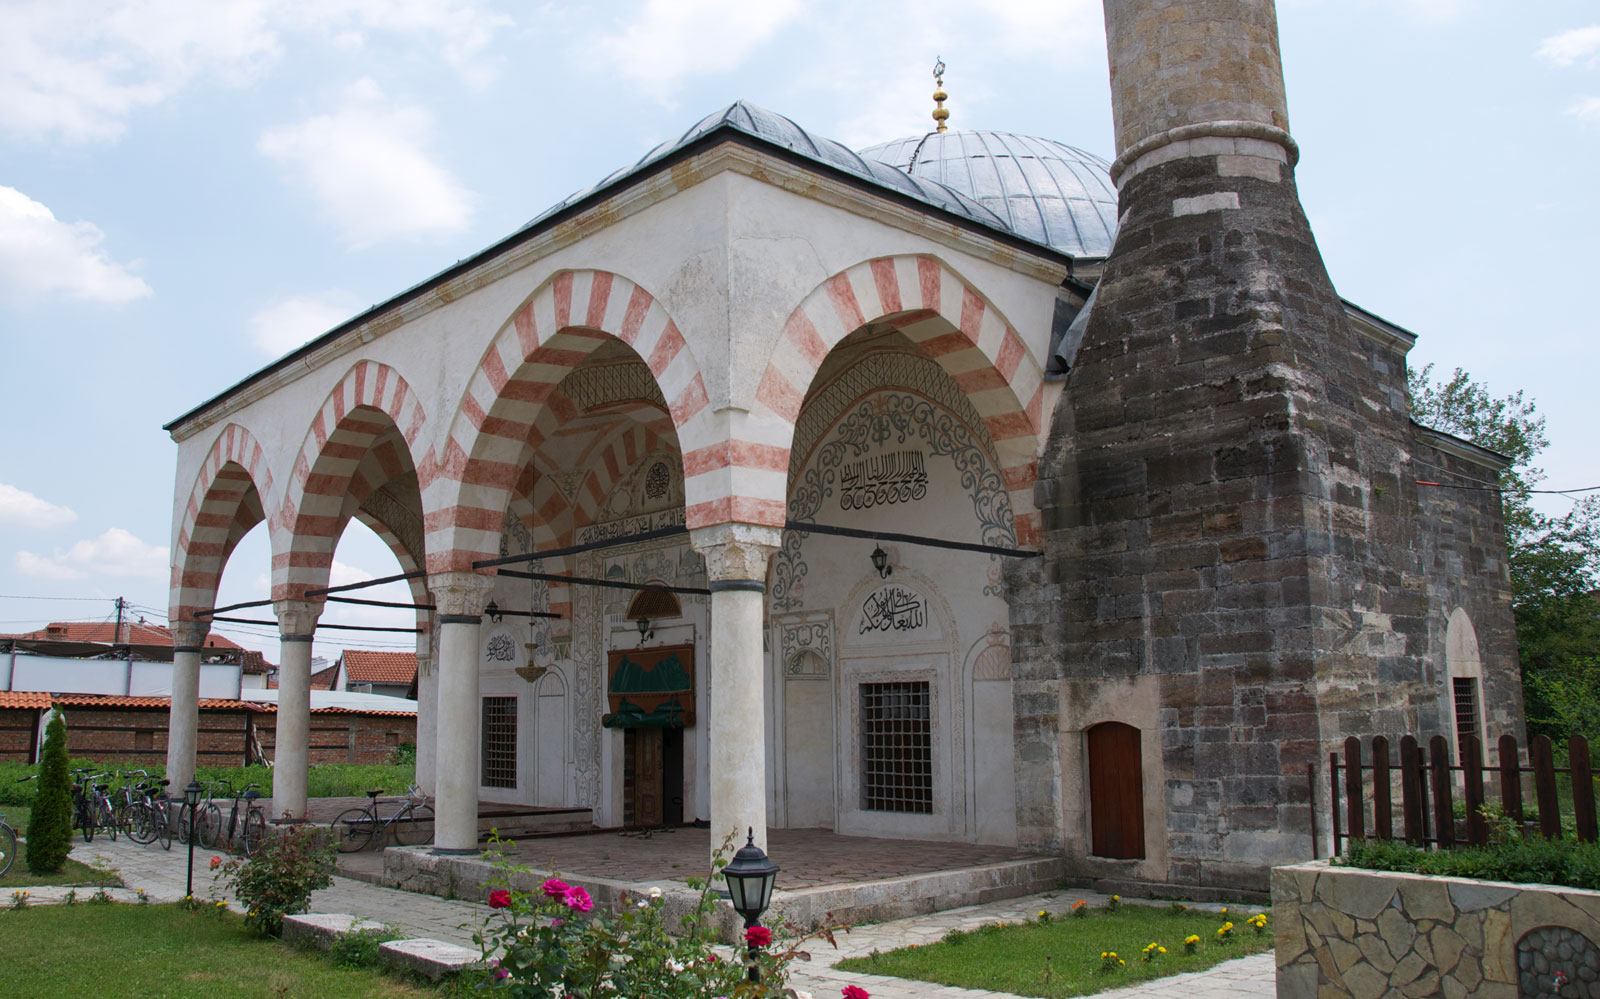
(1466, 697)
(499, 742)
(896, 747)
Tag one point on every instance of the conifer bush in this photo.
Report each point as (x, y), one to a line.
(50, 825)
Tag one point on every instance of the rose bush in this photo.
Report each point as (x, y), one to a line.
(552, 942)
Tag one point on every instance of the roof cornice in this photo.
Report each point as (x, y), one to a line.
(1376, 327)
(724, 149)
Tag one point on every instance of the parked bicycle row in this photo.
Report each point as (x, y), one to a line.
(134, 803)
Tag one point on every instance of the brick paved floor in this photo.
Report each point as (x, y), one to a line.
(161, 874)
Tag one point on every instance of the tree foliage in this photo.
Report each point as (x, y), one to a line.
(50, 825)
(1554, 560)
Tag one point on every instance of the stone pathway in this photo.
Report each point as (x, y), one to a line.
(161, 875)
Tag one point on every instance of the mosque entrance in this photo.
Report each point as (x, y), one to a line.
(652, 777)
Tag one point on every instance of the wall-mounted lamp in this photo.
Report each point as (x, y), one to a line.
(493, 612)
(645, 631)
(880, 562)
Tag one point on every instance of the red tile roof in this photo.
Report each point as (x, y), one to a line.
(28, 699)
(322, 679)
(362, 666)
(124, 701)
(135, 633)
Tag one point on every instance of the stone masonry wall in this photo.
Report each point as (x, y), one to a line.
(1344, 933)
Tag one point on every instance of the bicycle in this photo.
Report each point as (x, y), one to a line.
(150, 817)
(252, 825)
(355, 828)
(8, 838)
(205, 820)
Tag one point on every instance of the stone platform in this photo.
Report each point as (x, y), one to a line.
(825, 878)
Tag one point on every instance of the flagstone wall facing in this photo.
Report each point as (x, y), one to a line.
(1344, 933)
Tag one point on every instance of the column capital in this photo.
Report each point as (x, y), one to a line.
(190, 634)
(297, 617)
(460, 593)
(736, 551)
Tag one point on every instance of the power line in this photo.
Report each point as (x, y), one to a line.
(16, 596)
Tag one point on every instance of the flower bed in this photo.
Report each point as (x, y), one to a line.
(1348, 933)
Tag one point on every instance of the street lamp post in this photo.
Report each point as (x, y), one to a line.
(750, 877)
(191, 802)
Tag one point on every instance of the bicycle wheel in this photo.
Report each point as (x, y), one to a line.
(163, 823)
(86, 821)
(106, 819)
(352, 830)
(185, 824)
(208, 825)
(141, 824)
(255, 831)
(415, 827)
(8, 848)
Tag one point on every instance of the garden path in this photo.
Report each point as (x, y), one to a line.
(161, 875)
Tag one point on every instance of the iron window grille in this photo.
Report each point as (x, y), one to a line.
(499, 742)
(897, 747)
(1465, 689)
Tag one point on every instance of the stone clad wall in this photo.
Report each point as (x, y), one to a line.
(1344, 933)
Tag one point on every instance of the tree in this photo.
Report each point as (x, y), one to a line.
(50, 824)
(1554, 560)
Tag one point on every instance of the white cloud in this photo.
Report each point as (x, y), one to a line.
(366, 166)
(1571, 47)
(670, 41)
(283, 326)
(40, 254)
(114, 553)
(1586, 110)
(78, 69)
(23, 509)
(340, 574)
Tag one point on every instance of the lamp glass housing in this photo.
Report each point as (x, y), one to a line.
(192, 793)
(880, 561)
(750, 877)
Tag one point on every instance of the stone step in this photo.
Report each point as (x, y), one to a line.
(433, 958)
(514, 821)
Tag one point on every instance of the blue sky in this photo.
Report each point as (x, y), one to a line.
(190, 188)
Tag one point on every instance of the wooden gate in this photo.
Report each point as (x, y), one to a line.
(1116, 792)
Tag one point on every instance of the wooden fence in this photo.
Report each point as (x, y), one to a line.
(1428, 783)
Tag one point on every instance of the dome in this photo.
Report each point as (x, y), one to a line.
(1042, 190)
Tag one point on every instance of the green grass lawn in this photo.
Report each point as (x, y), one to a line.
(1061, 957)
(160, 950)
(73, 873)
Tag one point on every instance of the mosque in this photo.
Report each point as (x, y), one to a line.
(966, 488)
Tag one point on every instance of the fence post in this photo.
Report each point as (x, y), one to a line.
(1411, 789)
(1444, 818)
(1582, 787)
(1333, 800)
(1354, 800)
(1472, 784)
(1311, 806)
(1382, 806)
(1511, 779)
(1544, 786)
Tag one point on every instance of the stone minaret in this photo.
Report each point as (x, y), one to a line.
(1225, 491)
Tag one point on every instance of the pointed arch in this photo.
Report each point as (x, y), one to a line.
(229, 497)
(363, 435)
(510, 405)
(952, 323)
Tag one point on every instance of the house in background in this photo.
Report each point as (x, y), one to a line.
(134, 658)
(390, 673)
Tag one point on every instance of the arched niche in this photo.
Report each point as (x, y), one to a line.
(1465, 678)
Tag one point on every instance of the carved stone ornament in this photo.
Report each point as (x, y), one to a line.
(190, 634)
(736, 551)
(297, 617)
(460, 592)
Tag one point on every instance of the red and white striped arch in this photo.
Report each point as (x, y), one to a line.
(228, 498)
(964, 333)
(338, 458)
(510, 408)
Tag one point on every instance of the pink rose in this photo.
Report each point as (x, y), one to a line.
(854, 992)
(216, 862)
(760, 936)
(500, 899)
(579, 899)
(555, 888)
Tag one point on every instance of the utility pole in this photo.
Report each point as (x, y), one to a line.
(116, 636)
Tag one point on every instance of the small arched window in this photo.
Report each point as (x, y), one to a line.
(1466, 678)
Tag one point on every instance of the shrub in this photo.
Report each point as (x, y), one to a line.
(50, 824)
(1520, 859)
(359, 949)
(279, 879)
(550, 943)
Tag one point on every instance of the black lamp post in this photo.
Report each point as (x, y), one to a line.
(191, 802)
(750, 878)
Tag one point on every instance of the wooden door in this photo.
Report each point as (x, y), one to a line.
(649, 777)
(1116, 792)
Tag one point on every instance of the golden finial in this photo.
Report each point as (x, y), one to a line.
(940, 113)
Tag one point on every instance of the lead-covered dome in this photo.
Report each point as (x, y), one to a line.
(1043, 190)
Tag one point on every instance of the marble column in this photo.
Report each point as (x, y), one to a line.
(291, 752)
(183, 720)
(736, 567)
(459, 599)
